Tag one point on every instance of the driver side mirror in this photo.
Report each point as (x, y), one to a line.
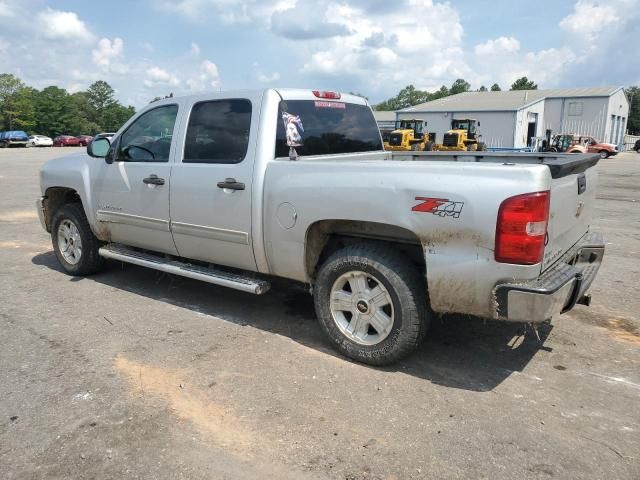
(98, 148)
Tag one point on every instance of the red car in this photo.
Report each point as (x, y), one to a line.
(66, 141)
(85, 139)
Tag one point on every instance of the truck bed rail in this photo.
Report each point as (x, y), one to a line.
(560, 164)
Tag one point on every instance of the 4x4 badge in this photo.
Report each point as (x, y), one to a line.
(442, 207)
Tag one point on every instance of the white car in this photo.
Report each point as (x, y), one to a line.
(40, 141)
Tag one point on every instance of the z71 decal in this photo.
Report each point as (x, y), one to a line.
(442, 207)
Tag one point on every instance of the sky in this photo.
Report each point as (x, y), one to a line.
(149, 48)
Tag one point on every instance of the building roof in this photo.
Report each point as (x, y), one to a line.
(507, 100)
(384, 116)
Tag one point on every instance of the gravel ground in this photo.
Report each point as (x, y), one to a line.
(134, 374)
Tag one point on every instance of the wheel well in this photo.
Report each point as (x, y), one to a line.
(56, 197)
(326, 237)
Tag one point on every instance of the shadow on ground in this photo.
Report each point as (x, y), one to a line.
(460, 351)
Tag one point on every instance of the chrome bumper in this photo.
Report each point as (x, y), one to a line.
(41, 214)
(557, 290)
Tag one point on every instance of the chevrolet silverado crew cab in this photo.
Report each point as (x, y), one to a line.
(232, 188)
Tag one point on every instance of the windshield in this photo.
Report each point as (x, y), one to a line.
(464, 125)
(325, 128)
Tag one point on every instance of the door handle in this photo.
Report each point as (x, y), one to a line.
(231, 184)
(153, 180)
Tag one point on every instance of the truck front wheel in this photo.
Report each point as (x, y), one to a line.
(73, 241)
(372, 303)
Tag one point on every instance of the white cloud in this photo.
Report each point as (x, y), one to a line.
(5, 11)
(500, 45)
(229, 11)
(268, 77)
(206, 79)
(58, 25)
(589, 18)
(195, 49)
(386, 48)
(159, 77)
(108, 53)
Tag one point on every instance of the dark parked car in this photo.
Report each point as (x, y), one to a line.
(84, 139)
(636, 147)
(13, 138)
(66, 141)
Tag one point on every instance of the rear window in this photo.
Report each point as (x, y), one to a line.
(320, 127)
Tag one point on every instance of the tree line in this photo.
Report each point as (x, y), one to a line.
(53, 111)
(410, 96)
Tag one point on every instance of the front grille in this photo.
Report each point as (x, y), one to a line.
(395, 139)
(450, 140)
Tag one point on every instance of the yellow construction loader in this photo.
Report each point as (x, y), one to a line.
(463, 136)
(409, 135)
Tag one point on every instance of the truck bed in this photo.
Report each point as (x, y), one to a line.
(560, 164)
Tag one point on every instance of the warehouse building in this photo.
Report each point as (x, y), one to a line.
(384, 119)
(510, 119)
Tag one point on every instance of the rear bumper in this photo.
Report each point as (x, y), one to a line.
(557, 290)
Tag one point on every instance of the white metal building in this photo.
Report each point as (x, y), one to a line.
(385, 119)
(511, 118)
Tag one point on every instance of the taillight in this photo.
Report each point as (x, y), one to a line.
(330, 95)
(522, 228)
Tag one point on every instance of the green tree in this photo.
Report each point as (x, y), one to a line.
(495, 88)
(19, 110)
(459, 86)
(115, 116)
(9, 85)
(14, 105)
(633, 122)
(407, 97)
(482, 89)
(442, 92)
(524, 84)
(52, 115)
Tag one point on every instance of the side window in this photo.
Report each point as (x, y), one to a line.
(148, 138)
(218, 132)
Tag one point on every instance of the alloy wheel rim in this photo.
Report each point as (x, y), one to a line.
(361, 308)
(69, 241)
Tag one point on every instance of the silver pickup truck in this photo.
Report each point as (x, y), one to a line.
(231, 188)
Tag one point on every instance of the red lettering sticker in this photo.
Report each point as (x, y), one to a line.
(320, 104)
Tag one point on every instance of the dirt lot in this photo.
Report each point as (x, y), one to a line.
(134, 374)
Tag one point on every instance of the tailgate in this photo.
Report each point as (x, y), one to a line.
(572, 202)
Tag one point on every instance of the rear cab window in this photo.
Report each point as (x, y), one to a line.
(325, 127)
(218, 132)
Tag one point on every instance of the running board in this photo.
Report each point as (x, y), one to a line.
(176, 267)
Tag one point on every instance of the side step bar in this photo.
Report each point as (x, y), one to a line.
(176, 267)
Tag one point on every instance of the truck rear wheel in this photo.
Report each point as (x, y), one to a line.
(73, 241)
(371, 303)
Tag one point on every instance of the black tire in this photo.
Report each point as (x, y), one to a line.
(428, 147)
(89, 261)
(405, 286)
(603, 154)
(482, 147)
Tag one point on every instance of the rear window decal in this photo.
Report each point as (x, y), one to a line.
(293, 127)
(320, 104)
